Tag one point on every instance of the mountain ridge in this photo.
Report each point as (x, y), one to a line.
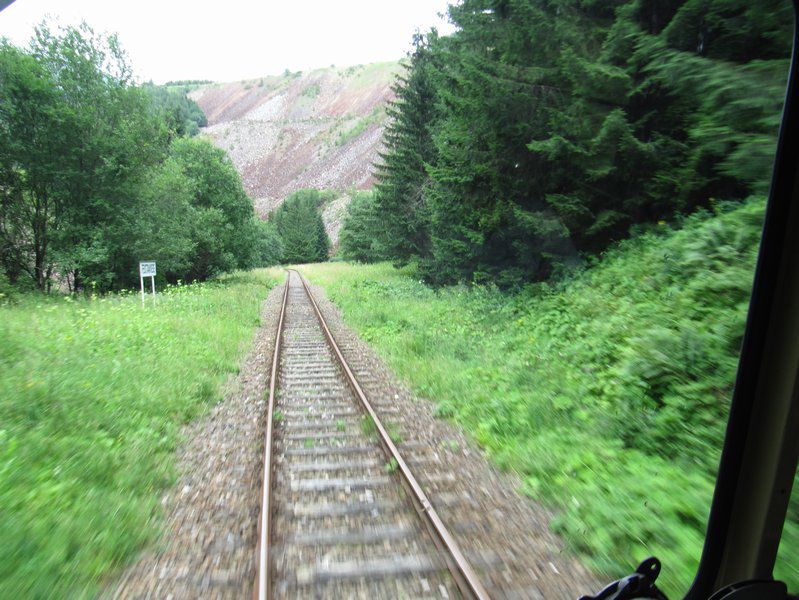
(317, 129)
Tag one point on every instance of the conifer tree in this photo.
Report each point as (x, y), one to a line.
(360, 231)
(400, 193)
(301, 228)
(542, 131)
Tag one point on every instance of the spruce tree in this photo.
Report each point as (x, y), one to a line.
(402, 176)
(543, 131)
(359, 236)
(301, 228)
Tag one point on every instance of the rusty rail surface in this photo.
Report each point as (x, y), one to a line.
(462, 572)
(261, 591)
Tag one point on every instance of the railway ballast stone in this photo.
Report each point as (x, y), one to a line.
(208, 549)
(210, 516)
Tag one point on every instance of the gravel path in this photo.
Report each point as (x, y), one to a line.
(208, 550)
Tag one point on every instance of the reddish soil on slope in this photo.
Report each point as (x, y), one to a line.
(321, 129)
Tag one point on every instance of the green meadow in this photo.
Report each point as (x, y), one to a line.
(93, 394)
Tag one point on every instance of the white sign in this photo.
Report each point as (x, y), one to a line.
(147, 269)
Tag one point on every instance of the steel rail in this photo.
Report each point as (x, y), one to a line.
(465, 576)
(261, 590)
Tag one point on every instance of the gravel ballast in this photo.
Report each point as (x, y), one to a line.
(479, 504)
(211, 514)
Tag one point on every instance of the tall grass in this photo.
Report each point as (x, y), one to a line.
(608, 392)
(92, 397)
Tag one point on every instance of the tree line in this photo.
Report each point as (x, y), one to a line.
(294, 232)
(97, 173)
(183, 115)
(542, 131)
(297, 224)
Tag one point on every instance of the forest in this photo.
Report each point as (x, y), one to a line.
(541, 132)
(97, 173)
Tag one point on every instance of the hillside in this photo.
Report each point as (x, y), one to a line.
(319, 129)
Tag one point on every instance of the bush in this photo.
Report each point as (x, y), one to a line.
(7, 291)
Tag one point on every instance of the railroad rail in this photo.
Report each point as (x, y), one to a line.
(342, 514)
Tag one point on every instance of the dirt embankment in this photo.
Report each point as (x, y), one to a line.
(320, 129)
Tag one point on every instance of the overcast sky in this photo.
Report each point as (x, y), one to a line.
(239, 39)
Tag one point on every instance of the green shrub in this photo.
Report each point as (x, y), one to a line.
(361, 125)
(312, 91)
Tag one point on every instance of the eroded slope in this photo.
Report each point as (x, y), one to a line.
(319, 129)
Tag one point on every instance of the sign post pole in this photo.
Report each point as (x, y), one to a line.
(147, 269)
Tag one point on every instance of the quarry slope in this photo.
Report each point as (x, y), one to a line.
(320, 129)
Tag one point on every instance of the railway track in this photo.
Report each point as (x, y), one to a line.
(342, 514)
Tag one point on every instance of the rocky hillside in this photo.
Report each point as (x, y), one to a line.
(319, 129)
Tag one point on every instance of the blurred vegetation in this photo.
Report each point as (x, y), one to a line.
(93, 394)
(607, 391)
(312, 91)
(541, 131)
(187, 82)
(373, 118)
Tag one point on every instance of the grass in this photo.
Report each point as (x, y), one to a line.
(394, 432)
(366, 75)
(368, 426)
(451, 444)
(346, 136)
(607, 393)
(93, 394)
(312, 91)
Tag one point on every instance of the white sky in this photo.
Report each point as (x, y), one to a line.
(239, 39)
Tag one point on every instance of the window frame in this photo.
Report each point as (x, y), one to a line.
(761, 447)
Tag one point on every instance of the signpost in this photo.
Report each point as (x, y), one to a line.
(147, 269)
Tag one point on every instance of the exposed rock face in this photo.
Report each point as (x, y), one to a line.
(321, 129)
